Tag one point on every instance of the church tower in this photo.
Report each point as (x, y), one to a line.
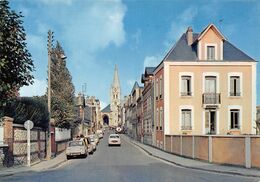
(115, 94)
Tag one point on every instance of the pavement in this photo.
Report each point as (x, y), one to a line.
(35, 167)
(192, 163)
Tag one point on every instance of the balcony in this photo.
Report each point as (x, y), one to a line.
(211, 99)
(187, 127)
(186, 93)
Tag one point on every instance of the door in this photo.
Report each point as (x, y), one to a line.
(210, 122)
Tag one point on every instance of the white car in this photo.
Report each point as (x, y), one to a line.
(100, 133)
(114, 139)
(76, 148)
(95, 138)
(92, 141)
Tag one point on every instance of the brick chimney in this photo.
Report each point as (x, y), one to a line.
(189, 35)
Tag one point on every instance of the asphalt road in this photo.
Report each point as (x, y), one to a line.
(122, 164)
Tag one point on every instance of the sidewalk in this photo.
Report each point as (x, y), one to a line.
(194, 164)
(38, 166)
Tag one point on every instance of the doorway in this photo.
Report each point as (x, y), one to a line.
(105, 120)
(211, 122)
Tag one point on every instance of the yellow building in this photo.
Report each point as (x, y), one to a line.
(209, 86)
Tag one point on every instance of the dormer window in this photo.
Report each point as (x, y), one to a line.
(211, 52)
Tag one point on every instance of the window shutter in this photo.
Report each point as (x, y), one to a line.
(183, 85)
(238, 84)
(232, 85)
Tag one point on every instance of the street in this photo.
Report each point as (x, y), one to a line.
(126, 163)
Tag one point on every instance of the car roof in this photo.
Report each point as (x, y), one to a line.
(113, 135)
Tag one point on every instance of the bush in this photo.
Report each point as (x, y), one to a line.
(28, 108)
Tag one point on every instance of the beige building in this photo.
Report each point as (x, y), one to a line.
(209, 87)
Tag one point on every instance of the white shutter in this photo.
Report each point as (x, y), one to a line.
(238, 85)
(232, 81)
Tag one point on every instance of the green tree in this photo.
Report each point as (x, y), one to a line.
(16, 64)
(28, 108)
(62, 90)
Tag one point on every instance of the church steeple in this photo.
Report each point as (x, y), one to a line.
(115, 94)
(116, 83)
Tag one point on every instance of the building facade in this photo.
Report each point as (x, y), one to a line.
(209, 86)
(148, 106)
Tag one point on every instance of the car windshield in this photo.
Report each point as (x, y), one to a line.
(76, 143)
(114, 136)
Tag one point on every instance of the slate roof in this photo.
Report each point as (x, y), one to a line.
(136, 85)
(181, 51)
(149, 70)
(106, 109)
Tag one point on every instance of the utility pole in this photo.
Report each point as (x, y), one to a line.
(50, 41)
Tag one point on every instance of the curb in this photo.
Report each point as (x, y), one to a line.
(189, 167)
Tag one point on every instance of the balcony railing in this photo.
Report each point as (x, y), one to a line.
(186, 127)
(211, 98)
(186, 93)
(235, 94)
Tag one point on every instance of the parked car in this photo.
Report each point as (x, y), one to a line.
(95, 138)
(114, 139)
(92, 141)
(100, 133)
(89, 145)
(76, 148)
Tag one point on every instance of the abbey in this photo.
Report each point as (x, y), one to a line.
(110, 114)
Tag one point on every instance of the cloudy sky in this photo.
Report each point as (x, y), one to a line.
(97, 34)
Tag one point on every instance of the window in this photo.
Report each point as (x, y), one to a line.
(161, 118)
(234, 119)
(157, 89)
(161, 85)
(185, 85)
(235, 86)
(157, 119)
(186, 119)
(211, 52)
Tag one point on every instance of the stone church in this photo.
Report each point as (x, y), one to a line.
(110, 114)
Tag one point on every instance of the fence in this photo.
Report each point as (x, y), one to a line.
(38, 144)
(232, 150)
(13, 142)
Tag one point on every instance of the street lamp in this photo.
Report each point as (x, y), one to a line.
(61, 56)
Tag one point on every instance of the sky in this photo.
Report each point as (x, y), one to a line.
(97, 34)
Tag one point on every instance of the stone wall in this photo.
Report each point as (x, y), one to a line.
(15, 136)
(20, 144)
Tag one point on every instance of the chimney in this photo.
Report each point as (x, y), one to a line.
(189, 35)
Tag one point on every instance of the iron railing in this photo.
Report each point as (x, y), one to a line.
(211, 98)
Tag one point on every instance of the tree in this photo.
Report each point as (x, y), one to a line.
(16, 64)
(62, 90)
(28, 108)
